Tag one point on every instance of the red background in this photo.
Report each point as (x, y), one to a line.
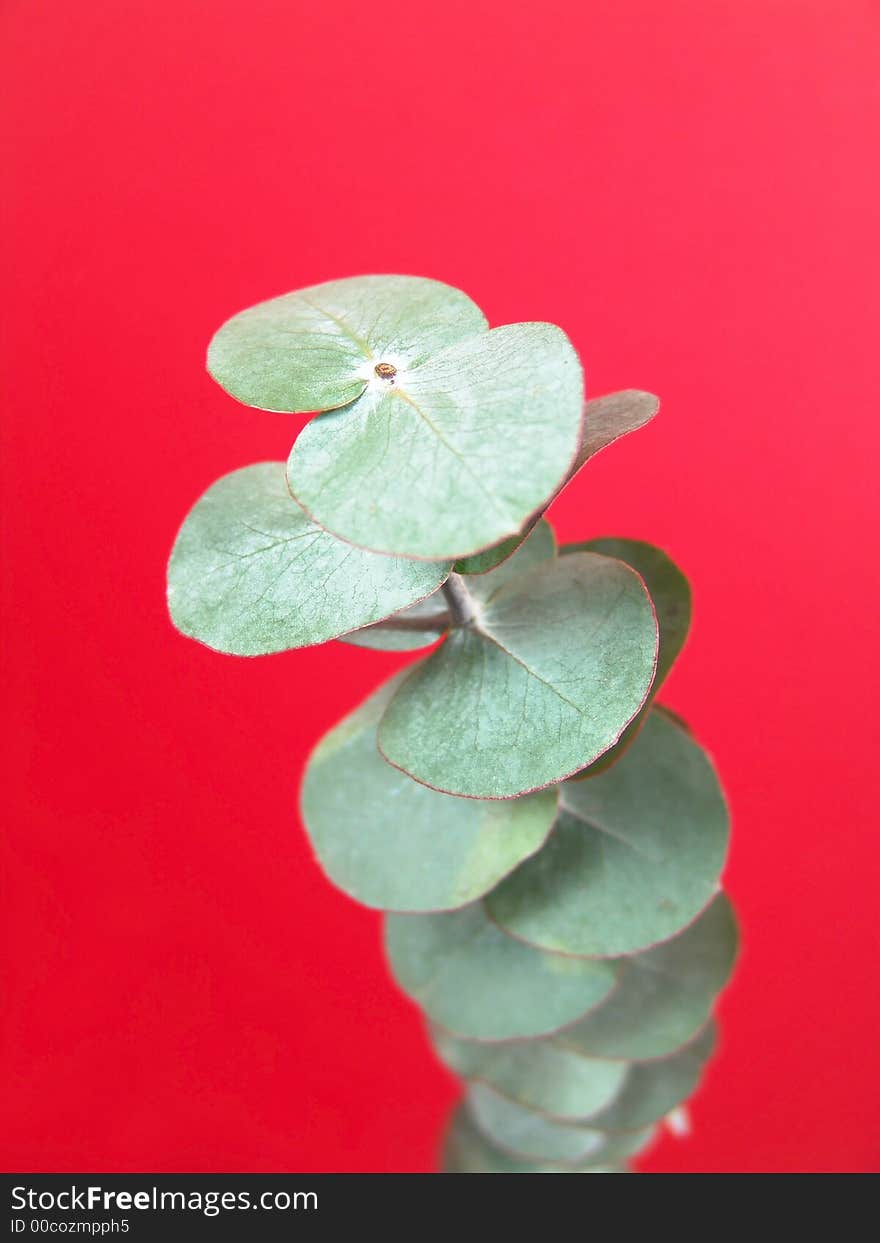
(690, 189)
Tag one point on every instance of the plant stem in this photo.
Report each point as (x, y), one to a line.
(460, 601)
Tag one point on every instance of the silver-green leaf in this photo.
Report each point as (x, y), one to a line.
(635, 855)
(316, 348)
(526, 1134)
(450, 455)
(477, 982)
(542, 1074)
(250, 574)
(663, 996)
(467, 1151)
(652, 1089)
(559, 660)
(396, 845)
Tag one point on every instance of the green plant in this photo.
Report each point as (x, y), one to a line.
(546, 839)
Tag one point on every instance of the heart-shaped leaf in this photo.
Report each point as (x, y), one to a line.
(540, 1074)
(250, 574)
(634, 856)
(663, 996)
(473, 980)
(454, 453)
(528, 1135)
(652, 1089)
(317, 348)
(396, 845)
(467, 1151)
(556, 664)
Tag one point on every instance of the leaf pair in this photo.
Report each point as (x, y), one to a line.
(467, 692)
(634, 854)
(252, 574)
(559, 659)
(440, 437)
(396, 845)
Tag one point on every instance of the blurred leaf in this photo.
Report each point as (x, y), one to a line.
(454, 454)
(250, 574)
(652, 1089)
(663, 996)
(676, 717)
(559, 660)
(466, 1151)
(523, 1133)
(477, 982)
(540, 1074)
(635, 854)
(316, 348)
(396, 845)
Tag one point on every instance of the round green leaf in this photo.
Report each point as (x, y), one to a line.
(396, 845)
(250, 574)
(526, 1134)
(663, 996)
(317, 348)
(541, 1074)
(454, 453)
(466, 1151)
(557, 663)
(635, 854)
(652, 1089)
(475, 981)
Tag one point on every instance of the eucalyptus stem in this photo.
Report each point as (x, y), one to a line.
(567, 967)
(462, 608)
